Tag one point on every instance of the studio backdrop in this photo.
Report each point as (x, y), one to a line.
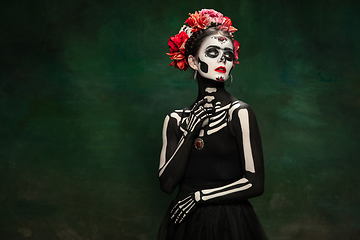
(85, 87)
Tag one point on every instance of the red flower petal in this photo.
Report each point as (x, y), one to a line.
(236, 51)
(197, 21)
(177, 50)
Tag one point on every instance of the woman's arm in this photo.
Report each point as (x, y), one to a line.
(244, 127)
(178, 137)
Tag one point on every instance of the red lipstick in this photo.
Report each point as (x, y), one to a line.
(220, 69)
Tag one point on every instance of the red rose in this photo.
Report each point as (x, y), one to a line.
(177, 50)
(175, 42)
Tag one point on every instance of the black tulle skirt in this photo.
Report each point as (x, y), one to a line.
(232, 221)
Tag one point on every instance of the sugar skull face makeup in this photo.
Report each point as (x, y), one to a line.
(215, 58)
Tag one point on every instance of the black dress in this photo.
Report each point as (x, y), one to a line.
(216, 165)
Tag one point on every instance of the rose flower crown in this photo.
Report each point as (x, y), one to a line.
(199, 20)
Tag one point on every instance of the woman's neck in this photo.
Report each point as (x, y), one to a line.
(208, 87)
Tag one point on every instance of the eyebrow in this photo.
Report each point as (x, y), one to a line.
(217, 47)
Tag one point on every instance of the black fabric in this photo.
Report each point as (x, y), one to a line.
(217, 161)
(236, 221)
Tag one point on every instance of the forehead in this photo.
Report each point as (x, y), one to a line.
(216, 40)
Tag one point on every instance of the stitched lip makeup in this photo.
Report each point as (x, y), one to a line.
(220, 69)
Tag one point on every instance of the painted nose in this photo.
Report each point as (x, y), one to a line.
(222, 59)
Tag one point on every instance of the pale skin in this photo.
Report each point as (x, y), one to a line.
(193, 62)
(212, 106)
(214, 59)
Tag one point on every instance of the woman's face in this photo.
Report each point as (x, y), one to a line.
(215, 57)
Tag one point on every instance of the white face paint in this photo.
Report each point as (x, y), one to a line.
(215, 57)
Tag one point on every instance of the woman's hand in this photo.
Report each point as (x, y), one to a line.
(194, 122)
(179, 130)
(185, 207)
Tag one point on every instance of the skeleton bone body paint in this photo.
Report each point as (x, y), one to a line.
(223, 132)
(215, 58)
(234, 113)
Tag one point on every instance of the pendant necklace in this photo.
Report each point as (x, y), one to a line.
(199, 143)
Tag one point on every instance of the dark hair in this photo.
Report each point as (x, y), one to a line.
(193, 43)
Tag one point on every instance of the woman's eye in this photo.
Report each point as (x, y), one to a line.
(229, 56)
(212, 53)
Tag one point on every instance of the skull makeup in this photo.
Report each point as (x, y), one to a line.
(215, 58)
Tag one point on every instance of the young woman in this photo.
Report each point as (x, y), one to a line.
(211, 149)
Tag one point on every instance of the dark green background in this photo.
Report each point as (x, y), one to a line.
(85, 86)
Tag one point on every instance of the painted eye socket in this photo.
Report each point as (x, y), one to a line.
(212, 53)
(229, 56)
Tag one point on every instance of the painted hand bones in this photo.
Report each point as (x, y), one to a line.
(176, 148)
(184, 207)
(196, 119)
